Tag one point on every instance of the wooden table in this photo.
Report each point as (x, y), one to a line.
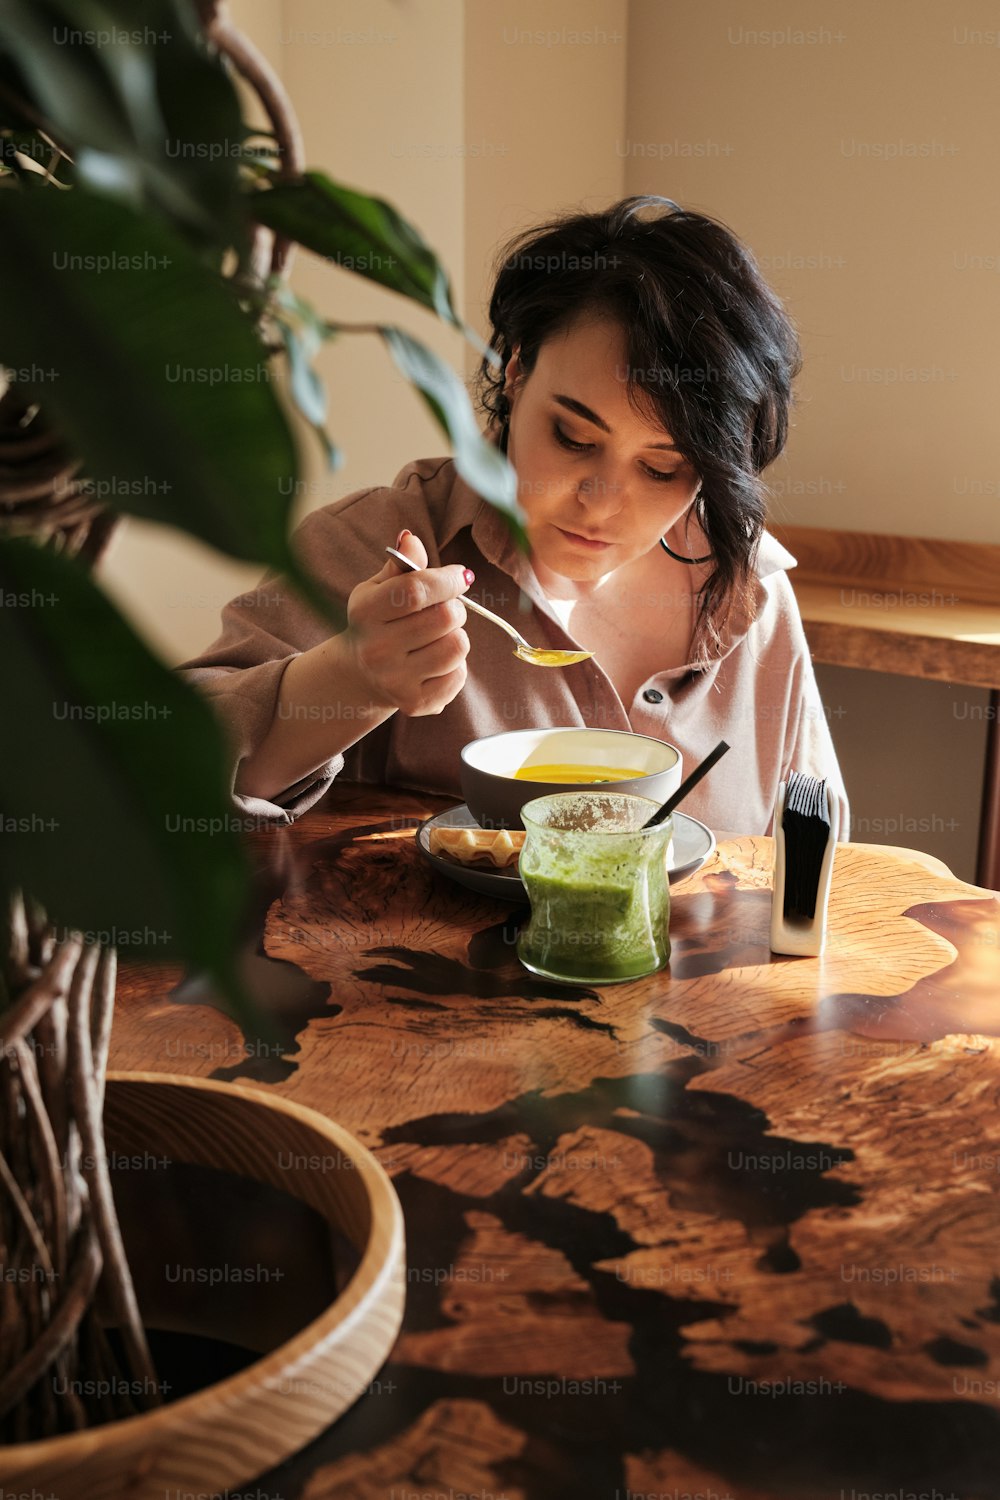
(732, 1230)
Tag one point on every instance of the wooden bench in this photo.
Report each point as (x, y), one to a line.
(916, 606)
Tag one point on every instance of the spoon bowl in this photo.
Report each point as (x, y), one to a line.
(538, 656)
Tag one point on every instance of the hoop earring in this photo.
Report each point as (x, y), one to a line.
(691, 561)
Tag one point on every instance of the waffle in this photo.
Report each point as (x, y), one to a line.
(499, 847)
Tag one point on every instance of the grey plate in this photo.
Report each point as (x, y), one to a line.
(692, 845)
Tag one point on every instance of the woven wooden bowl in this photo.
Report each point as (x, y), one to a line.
(234, 1430)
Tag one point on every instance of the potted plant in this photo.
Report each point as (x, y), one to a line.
(125, 257)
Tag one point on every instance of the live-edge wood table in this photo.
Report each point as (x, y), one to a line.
(731, 1230)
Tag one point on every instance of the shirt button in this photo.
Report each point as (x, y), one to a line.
(653, 695)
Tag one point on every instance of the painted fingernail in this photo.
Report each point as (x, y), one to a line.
(469, 576)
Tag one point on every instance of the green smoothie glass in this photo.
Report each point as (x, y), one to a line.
(598, 886)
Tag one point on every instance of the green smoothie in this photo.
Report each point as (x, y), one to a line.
(599, 893)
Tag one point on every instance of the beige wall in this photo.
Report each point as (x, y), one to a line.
(544, 103)
(854, 148)
(384, 115)
(805, 151)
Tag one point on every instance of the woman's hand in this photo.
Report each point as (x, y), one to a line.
(406, 635)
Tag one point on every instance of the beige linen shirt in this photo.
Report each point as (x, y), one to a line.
(760, 695)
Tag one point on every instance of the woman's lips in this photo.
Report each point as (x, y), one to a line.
(595, 544)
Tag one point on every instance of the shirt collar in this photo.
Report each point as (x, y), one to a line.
(772, 557)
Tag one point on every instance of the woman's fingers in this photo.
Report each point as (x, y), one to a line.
(395, 592)
(409, 593)
(436, 694)
(412, 547)
(416, 631)
(406, 630)
(439, 657)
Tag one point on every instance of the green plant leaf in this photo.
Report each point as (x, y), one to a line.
(160, 382)
(361, 234)
(114, 808)
(308, 390)
(480, 464)
(148, 112)
(207, 143)
(66, 85)
(303, 333)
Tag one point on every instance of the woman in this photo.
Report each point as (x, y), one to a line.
(644, 385)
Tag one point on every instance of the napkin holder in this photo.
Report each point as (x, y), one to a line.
(802, 872)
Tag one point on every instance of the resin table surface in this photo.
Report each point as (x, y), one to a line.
(730, 1230)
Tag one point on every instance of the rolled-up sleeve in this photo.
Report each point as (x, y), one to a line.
(245, 700)
(240, 676)
(262, 630)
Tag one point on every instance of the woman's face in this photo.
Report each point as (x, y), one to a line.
(599, 484)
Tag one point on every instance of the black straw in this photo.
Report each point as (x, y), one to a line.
(687, 784)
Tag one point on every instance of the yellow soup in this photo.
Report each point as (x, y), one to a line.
(576, 774)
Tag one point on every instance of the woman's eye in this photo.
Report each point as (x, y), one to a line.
(568, 442)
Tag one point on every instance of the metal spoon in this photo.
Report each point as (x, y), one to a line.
(538, 656)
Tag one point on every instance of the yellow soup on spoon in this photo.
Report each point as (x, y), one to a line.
(576, 775)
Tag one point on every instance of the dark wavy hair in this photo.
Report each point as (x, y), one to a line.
(711, 356)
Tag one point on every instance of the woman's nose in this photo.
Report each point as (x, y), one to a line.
(600, 493)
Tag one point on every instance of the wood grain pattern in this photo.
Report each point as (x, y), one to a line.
(873, 560)
(230, 1431)
(910, 605)
(941, 647)
(735, 1226)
